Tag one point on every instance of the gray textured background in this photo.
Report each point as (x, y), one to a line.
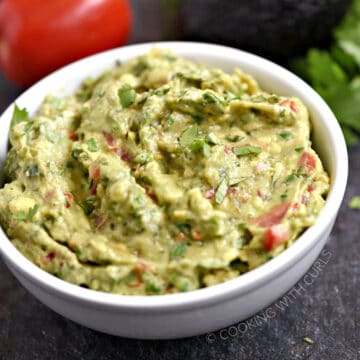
(328, 311)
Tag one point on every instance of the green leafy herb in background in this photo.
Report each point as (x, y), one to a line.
(335, 73)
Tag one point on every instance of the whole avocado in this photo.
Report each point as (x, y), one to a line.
(276, 29)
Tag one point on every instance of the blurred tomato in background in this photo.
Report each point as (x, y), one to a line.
(39, 36)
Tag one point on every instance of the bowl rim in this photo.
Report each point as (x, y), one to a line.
(231, 288)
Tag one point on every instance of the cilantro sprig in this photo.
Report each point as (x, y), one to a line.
(335, 73)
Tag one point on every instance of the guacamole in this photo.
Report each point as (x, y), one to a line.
(160, 176)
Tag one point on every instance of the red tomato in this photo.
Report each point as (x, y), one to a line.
(308, 160)
(274, 216)
(39, 36)
(275, 236)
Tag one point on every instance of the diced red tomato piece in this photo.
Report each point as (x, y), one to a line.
(152, 196)
(197, 235)
(289, 103)
(180, 236)
(109, 138)
(308, 160)
(51, 255)
(274, 216)
(123, 154)
(262, 194)
(72, 135)
(210, 193)
(275, 236)
(93, 188)
(311, 188)
(94, 172)
(69, 195)
(244, 196)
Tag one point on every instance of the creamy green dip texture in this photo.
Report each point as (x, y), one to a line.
(160, 176)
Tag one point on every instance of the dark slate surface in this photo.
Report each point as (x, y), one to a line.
(328, 311)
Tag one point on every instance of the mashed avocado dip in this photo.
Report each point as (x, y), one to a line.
(160, 176)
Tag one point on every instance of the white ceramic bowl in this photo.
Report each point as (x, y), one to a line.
(200, 311)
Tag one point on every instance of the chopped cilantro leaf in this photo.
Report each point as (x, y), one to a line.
(126, 95)
(354, 203)
(235, 181)
(92, 145)
(26, 216)
(177, 251)
(88, 206)
(286, 135)
(189, 135)
(197, 145)
(206, 150)
(247, 150)
(19, 115)
(308, 340)
(290, 178)
(234, 138)
(212, 139)
(221, 192)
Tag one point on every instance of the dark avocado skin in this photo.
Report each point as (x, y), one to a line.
(277, 29)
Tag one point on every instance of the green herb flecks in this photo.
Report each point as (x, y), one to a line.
(178, 251)
(258, 99)
(211, 98)
(161, 92)
(127, 95)
(290, 178)
(234, 138)
(206, 150)
(299, 149)
(247, 150)
(189, 135)
(26, 216)
(92, 145)
(221, 192)
(212, 139)
(354, 203)
(88, 204)
(308, 340)
(235, 181)
(19, 115)
(286, 135)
